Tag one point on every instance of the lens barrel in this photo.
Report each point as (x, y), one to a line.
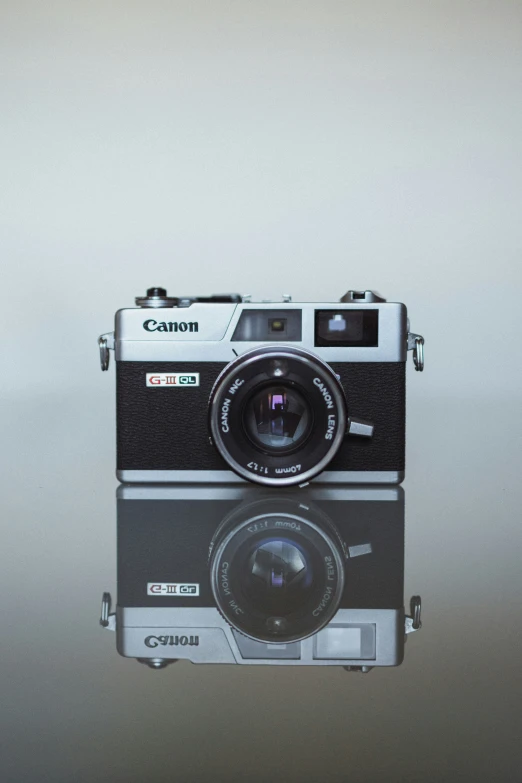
(277, 571)
(277, 416)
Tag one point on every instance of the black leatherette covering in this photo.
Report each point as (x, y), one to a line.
(166, 429)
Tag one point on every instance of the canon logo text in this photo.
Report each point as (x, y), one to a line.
(172, 641)
(170, 326)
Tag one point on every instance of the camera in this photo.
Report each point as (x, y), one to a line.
(251, 575)
(222, 389)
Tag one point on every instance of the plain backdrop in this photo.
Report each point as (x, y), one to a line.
(259, 147)
(304, 147)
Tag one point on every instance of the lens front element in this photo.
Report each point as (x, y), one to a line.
(277, 418)
(277, 576)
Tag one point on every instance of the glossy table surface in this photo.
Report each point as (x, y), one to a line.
(76, 710)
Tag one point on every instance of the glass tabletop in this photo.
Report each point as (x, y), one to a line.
(286, 664)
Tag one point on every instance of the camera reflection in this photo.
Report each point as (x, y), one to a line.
(250, 575)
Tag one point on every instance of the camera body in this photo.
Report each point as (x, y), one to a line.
(224, 389)
(199, 575)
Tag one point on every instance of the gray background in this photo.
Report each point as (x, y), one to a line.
(260, 147)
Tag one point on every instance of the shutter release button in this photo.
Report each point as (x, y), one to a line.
(157, 297)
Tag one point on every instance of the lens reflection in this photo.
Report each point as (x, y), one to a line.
(277, 569)
(277, 577)
(277, 418)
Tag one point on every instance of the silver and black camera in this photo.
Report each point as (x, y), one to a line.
(250, 575)
(220, 389)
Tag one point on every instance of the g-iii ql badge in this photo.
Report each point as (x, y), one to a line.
(172, 379)
(172, 588)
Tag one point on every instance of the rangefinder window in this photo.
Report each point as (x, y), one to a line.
(347, 328)
(268, 325)
(277, 324)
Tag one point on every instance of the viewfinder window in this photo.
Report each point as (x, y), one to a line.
(346, 328)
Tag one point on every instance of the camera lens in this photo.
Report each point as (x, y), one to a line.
(277, 570)
(277, 576)
(277, 418)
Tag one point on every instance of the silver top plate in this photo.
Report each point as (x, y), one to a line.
(203, 332)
